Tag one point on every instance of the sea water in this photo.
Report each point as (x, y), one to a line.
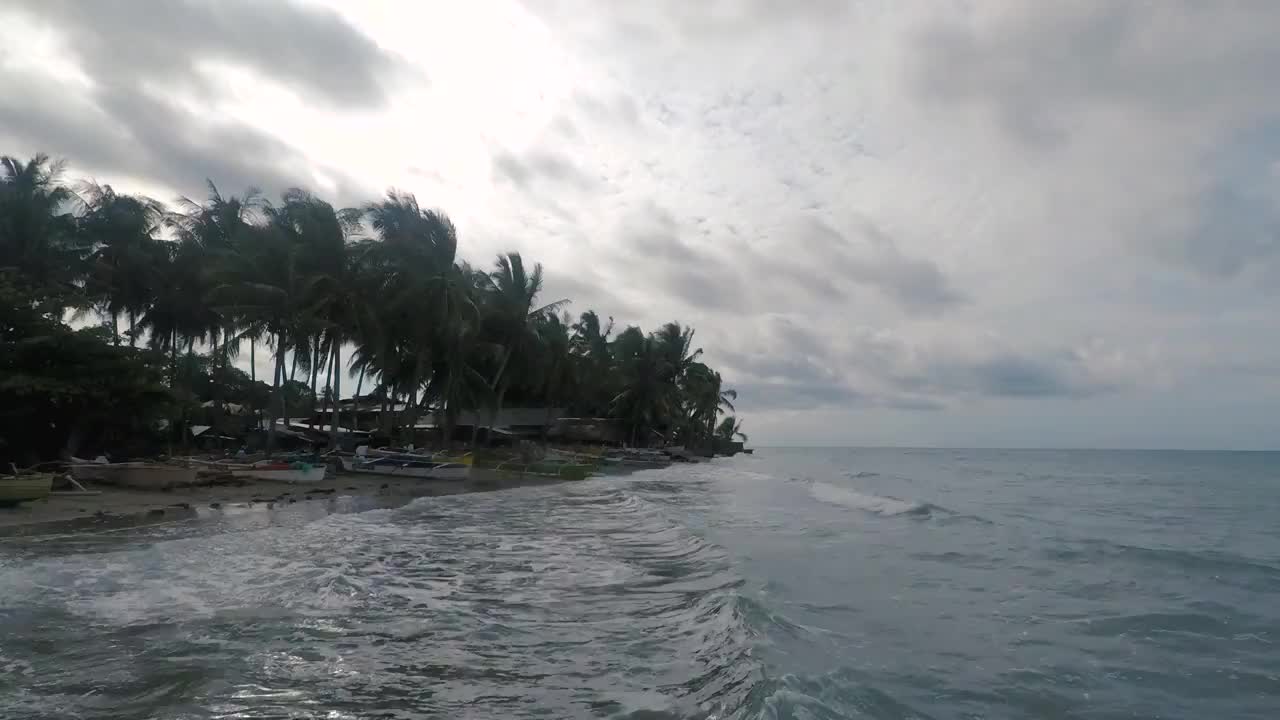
(790, 584)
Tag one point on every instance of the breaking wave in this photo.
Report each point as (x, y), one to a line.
(877, 504)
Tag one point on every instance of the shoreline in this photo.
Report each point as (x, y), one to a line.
(116, 505)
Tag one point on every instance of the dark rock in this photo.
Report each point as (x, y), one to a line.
(352, 487)
(155, 512)
(292, 501)
(384, 486)
(184, 506)
(215, 505)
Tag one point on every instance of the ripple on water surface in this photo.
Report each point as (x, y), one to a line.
(584, 599)
(796, 584)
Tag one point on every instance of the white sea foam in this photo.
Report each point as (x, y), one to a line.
(836, 495)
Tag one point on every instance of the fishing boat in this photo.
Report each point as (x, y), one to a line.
(425, 467)
(637, 458)
(545, 468)
(136, 475)
(282, 471)
(21, 488)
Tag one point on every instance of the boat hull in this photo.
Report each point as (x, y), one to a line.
(305, 475)
(24, 488)
(399, 467)
(138, 476)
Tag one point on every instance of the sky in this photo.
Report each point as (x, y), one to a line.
(988, 223)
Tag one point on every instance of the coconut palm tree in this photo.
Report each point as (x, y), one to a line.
(554, 367)
(120, 231)
(421, 292)
(37, 230)
(594, 364)
(512, 313)
(647, 396)
(730, 428)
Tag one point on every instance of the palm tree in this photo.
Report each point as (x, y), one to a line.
(730, 428)
(211, 229)
(594, 361)
(37, 229)
(512, 313)
(120, 230)
(422, 294)
(677, 347)
(554, 366)
(262, 283)
(703, 397)
(310, 282)
(647, 396)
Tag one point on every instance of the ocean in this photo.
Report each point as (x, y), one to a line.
(814, 583)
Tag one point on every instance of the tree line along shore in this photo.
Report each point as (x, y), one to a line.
(122, 320)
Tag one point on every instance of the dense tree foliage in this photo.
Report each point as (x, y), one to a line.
(183, 291)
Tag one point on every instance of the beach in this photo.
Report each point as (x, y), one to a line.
(343, 492)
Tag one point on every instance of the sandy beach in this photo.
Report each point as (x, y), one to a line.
(114, 504)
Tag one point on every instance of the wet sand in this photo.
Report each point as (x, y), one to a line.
(114, 504)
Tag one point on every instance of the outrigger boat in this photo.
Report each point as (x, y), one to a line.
(21, 488)
(137, 475)
(426, 467)
(282, 471)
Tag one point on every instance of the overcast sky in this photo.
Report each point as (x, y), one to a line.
(958, 223)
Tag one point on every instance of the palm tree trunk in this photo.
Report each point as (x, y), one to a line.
(411, 410)
(355, 401)
(493, 413)
(115, 328)
(336, 385)
(277, 401)
(219, 376)
(315, 396)
(173, 359)
(253, 380)
(133, 329)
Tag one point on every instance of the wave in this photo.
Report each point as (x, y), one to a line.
(861, 474)
(877, 504)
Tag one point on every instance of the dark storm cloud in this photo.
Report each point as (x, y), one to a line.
(148, 138)
(653, 233)
(310, 49)
(1038, 62)
(135, 52)
(527, 170)
(917, 285)
(789, 395)
(1006, 375)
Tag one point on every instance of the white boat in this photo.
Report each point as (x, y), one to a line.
(409, 465)
(289, 472)
(136, 475)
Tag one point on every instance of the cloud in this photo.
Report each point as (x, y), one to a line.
(876, 368)
(1026, 218)
(537, 166)
(144, 106)
(917, 285)
(307, 48)
(1153, 126)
